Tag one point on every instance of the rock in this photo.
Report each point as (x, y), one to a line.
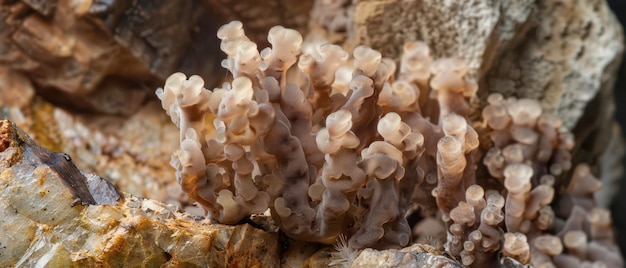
(569, 57)
(108, 56)
(412, 256)
(133, 153)
(561, 52)
(45, 225)
(69, 56)
(16, 94)
(474, 31)
(16, 90)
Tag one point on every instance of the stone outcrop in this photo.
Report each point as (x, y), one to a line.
(107, 56)
(47, 221)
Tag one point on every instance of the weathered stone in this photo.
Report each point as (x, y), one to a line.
(474, 31)
(560, 52)
(413, 256)
(67, 56)
(44, 225)
(570, 56)
(132, 152)
(16, 94)
(16, 91)
(101, 56)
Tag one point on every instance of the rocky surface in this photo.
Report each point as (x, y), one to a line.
(45, 225)
(133, 153)
(476, 30)
(108, 56)
(561, 52)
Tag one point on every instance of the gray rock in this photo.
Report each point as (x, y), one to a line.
(414, 256)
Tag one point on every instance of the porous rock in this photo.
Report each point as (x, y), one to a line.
(413, 256)
(560, 52)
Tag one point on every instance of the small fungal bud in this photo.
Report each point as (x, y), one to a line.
(451, 151)
(576, 243)
(454, 125)
(516, 246)
(463, 214)
(366, 60)
(475, 237)
(524, 112)
(475, 196)
(392, 128)
(495, 98)
(513, 153)
(549, 244)
(583, 182)
(517, 178)
(416, 61)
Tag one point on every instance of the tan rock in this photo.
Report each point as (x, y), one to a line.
(47, 225)
(100, 56)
